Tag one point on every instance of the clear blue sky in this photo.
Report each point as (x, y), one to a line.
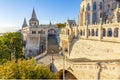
(12, 12)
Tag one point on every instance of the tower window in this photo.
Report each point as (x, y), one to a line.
(96, 32)
(100, 15)
(88, 7)
(109, 32)
(116, 32)
(88, 19)
(94, 18)
(92, 32)
(108, 5)
(94, 6)
(33, 32)
(101, 5)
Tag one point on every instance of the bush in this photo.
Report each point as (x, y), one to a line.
(25, 70)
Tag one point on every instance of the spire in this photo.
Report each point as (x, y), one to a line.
(50, 23)
(34, 17)
(24, 23)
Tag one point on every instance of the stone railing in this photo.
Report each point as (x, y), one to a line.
(106, 32)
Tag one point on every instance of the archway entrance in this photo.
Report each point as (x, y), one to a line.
(68, 75)
(52, 46)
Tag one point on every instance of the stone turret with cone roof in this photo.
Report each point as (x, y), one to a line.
(34, 21)
(24, 23)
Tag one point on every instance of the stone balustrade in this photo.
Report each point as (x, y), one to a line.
(92, 69)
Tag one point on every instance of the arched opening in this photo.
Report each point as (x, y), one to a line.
(94, 6)
(80, 32)
(104, 32)
(67, 75)
(93, 33)
(88, 18)
(51, 32)
(96, 32)
(94, 14)
(101, 5)
(109, 32)
(68, 32)
(116, 32)
(94, 18)
(88, 7)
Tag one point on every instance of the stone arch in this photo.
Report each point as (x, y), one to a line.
(116, 32)
(68, 74)
(51, 32)
(104, 32)
(109, 33)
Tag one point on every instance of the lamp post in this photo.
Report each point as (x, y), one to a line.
(62, 53)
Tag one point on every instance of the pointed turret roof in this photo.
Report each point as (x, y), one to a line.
(34, 17)
(24, 23)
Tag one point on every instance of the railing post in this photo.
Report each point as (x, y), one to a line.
(86, 32)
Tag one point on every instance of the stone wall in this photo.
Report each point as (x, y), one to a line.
(95, 50)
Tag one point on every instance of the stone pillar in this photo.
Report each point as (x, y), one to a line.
(91, 12)
(100, 30)
(84, 18)
(86, 30)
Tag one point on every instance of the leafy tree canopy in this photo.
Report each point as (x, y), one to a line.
(25, 69)
(61, 25)
(10, 44)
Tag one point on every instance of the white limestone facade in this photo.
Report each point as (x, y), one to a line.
(35, 36)
(98, 21)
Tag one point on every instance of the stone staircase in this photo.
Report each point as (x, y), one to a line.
(53, 46)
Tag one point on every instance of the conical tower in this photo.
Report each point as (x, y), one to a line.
(24, 23)
(34, 21)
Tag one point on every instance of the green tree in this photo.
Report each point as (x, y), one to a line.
(10, 43)
(61, 25)
(25, 69)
